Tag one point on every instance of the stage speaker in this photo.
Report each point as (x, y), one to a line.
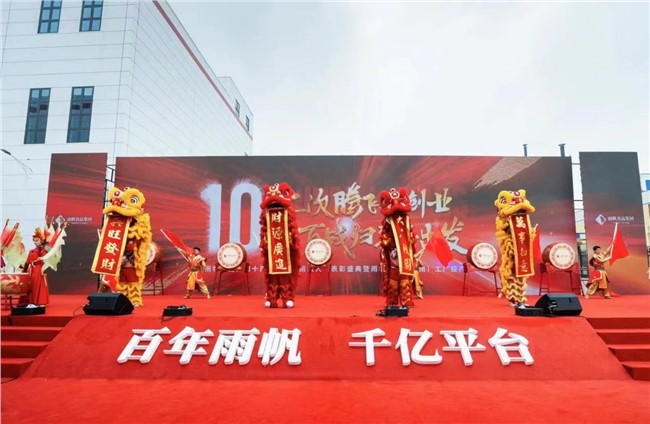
(560, 304)
(108, 304)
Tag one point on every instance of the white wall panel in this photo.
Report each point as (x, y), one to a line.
(150, 99)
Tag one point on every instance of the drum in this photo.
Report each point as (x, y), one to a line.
(482, 255)
(231, 255)
(15, 283)
(154, 254)
(318, 252)
(559, 255)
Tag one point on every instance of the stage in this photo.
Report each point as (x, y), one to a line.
(574, 378)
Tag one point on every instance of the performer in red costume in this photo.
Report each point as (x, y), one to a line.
(398, 244)
(280, 245)
(45, 255)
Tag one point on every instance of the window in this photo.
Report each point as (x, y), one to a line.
(81, 107)
(50, 16)
(248, 124)
(39, 103)
(91, 16)
(237, 107)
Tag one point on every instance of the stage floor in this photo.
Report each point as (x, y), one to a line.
(354, 306)
(575, 379)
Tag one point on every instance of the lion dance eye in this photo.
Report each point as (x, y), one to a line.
(502, 200)
(135, 200)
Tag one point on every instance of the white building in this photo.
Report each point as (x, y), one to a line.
(119, 77)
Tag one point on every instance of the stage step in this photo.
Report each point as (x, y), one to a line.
(639, 370)
(628, 339)
(631, 352)
(625, 335)
(14, 367)
(20, 349)
(35, 320)
(44, 334)
(618, 323)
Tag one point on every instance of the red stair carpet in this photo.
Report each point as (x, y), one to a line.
(629, 340)
(23, 339)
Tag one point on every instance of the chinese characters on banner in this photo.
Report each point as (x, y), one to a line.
(523, 244)
(347, 206)
(111, 245)
(239, 346)
(279, 246)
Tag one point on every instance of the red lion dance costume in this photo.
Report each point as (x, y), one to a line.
(280, 245)
(398, 245)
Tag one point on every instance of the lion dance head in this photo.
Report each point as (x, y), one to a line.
(130, 202)
(278, 194)
(394, 200)
(510, 202)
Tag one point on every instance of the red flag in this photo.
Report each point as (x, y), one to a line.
(537, 245)
(438, 245)
(176, 241)
(618, 246)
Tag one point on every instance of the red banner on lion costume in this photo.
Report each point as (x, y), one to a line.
(280, 245)
(398, 246)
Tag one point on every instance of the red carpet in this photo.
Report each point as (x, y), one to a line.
(575, 378)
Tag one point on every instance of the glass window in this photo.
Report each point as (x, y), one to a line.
(91, 15)
(36, 125)
(81, 107)
(248, 124)
(237, 107)
(50, 15)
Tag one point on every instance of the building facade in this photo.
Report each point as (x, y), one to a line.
(119, 77)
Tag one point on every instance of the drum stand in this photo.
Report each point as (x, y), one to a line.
(312, 268)
(467, 268)
(547, 269)
(245, 267)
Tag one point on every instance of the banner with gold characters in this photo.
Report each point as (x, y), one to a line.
(111, 245)
(278, 243)
(523, 244)
(401, 226)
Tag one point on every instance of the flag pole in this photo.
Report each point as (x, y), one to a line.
(611, 245)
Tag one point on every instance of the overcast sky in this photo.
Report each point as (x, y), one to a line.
(433, 78)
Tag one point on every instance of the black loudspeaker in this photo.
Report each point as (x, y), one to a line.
(560, 304)
(108, 304)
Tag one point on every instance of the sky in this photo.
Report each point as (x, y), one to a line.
(434, 78)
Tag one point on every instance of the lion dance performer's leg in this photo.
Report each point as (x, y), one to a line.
(405, 293)
(392, 288)
(272, 291)
(287, 292)
(516, 291)
(133, 291)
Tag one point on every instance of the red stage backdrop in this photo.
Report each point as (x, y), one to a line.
(611, 194)
(76, 194)
(209, 201)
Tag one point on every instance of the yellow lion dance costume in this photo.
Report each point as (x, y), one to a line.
(130, 202)
(516, 244)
